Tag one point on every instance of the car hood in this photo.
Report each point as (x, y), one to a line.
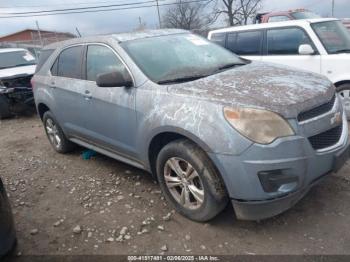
(17, 71)
(281, 89)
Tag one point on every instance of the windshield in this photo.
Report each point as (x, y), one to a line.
(17, 58)
(181, 56)
(304, 15)
(334, 36)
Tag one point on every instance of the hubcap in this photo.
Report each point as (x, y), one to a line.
(52, 133)
(345, 98)
(184, 183)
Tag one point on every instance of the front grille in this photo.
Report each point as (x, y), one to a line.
(324, 108)
(326, 139)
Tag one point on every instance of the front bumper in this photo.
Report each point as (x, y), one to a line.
(294, 156)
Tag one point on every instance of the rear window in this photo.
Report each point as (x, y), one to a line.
(245, 43)
(218, 38)
(44, 55)
(70, 62)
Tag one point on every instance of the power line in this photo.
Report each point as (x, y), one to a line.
(99, 10)
(62, 4)
(78, 8)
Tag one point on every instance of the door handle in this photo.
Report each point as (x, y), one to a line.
(53, 85)
(87, 95)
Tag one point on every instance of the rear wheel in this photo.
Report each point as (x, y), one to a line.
(344, 93)
(55, 134)
(4, 107)
(189, 181)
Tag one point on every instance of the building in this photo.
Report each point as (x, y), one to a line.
(35, 38)
(346, 22)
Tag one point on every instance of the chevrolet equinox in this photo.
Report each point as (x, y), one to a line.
(210, 126)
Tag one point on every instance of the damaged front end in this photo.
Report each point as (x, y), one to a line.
(16, 95)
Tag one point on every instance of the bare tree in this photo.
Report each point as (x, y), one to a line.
(248, 9)
(184, 15)
(237, 11)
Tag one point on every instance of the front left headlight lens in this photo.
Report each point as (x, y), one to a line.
(260, 126)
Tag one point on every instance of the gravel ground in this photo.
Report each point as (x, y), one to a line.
(66, 205)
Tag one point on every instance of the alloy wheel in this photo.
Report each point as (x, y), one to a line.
(52, 133)
(184, 183)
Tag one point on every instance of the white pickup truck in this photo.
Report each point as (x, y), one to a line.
(320, 45)
(17, 67)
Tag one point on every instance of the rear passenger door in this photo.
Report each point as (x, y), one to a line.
(111, 119)
(68, 91)
(282, 46)
(246, 44)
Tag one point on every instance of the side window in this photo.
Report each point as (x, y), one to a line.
(70, 61)
(44, 55)
(218, 38)
(248, 43)
(286, 41)
(231, 41)
(54, 68)
(278, 18)
(101, 60)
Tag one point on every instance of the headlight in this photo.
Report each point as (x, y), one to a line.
(260, 126)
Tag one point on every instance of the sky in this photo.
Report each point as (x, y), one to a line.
(126, 20)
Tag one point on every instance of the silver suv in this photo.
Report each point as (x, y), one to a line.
(210, 126)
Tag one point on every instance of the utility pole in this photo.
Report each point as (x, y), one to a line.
(39, 33)
(160, 22)
(333, 7)
(76, 29)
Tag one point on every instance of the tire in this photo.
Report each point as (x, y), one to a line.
(4, 107)
(344, 93)
(55, 134)
(204, 188)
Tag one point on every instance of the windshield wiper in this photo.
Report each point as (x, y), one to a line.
(342, 51)
(231, 65)
(181, 79)
(24, 64)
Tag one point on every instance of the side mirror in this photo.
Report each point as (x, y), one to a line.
(113, 79)
(306, 50)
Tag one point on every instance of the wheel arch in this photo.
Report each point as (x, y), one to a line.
(164, 137)
(42, 109)
(342, 82)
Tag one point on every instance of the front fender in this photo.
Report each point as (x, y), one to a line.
(201, 121)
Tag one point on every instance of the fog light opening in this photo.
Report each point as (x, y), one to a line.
(278, 180)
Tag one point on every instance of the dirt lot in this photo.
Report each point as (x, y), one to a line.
(66, 205)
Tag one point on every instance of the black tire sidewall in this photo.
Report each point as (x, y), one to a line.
(4, 107)
(341, 88)
(213, 202)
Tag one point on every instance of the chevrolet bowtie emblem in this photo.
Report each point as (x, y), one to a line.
(336, 119)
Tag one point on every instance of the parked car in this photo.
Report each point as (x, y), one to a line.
(318, 45)
(7, 231)
(17, 67)
(209, 125)
(284, 16)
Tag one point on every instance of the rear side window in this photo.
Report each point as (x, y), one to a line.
(218, 38)
(286, 41)
(101, 60)
(245, 43)
(70, 62)
(44, 55)
(278, 18)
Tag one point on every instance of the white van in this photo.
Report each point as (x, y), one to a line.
(319, 45)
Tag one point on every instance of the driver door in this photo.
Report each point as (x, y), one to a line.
(111, 113)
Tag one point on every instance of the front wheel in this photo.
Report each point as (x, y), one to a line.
(190, 182)
(344, 93)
